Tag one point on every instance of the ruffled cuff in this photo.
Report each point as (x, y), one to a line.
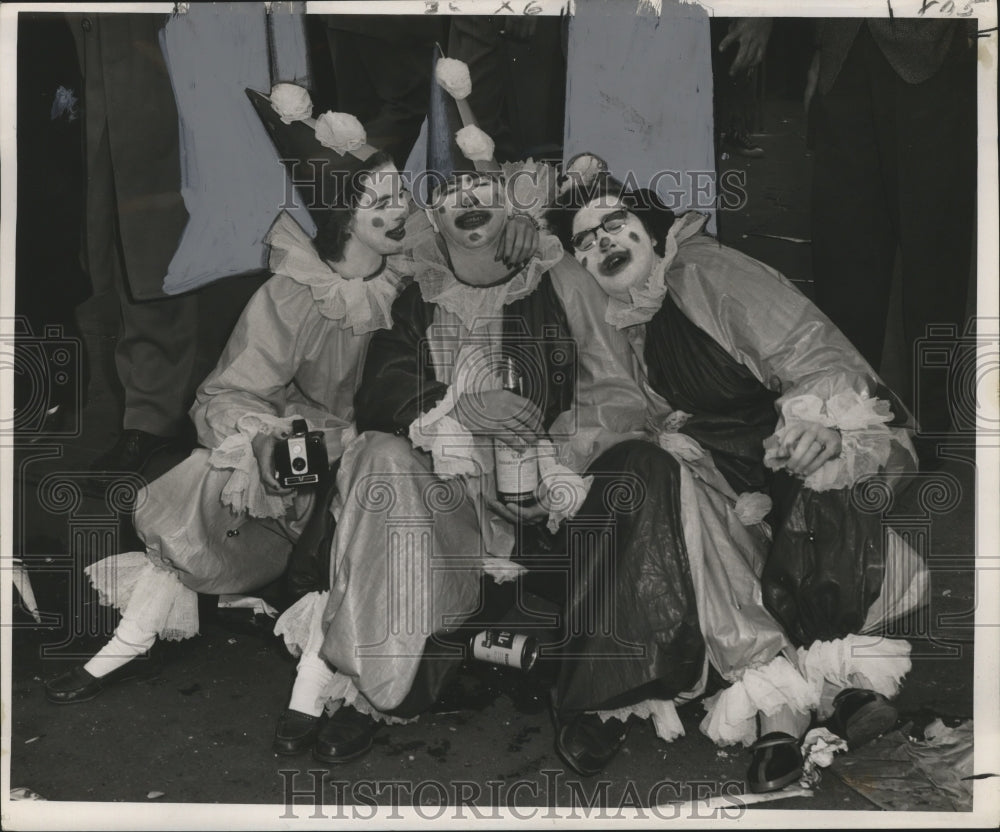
(663, 712)
(342, 691)
(502, 569)
(870, 662)
(244, 490)
(732, 713)
(301, 625)
(448, 442)
(148, 594)
(565, 491)
(865, 438)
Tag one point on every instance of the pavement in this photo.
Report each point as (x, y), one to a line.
(200, 730)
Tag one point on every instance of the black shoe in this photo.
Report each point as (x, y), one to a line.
(776, 762)
(587, 744)
(78, 685)
(131, 452)
(347, 735)
(860, 716)
(742, 145)
(295, 732)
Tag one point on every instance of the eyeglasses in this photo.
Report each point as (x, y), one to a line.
(611, 223)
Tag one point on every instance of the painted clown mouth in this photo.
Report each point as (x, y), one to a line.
(614, 262)
(398, 233)
(471, 220)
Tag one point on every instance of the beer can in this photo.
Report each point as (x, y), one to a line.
(506, 648)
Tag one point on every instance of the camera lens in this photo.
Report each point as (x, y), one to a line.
(298, 463)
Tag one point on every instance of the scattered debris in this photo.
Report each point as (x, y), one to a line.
(722, 754)
(230, 641)
(903, 773)
(782, 237)
(22, 583)
(731, 801)
(946, 593)
(22, 793)
(154, 795)
(818, 749)
(33, 739)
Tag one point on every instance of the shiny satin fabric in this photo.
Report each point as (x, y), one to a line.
(187, 530)
(408, 371)
(284, 358)
(731, 343)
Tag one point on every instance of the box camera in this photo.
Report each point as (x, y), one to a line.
(301, 459)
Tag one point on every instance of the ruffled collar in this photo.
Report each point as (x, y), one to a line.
(646, 300)
(471, 303)
(359, 305)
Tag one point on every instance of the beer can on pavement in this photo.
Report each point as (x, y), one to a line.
(506, 648)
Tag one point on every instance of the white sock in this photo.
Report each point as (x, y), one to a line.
(129, 641)
(785, 720)
(313, 677)
(826, 697)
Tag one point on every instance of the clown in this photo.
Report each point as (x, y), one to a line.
(766, 412)
(419, 524)
(219, 522)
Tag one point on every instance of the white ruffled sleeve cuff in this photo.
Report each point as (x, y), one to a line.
(244, 491)
(732, 713)
(449, 443)
(865, 438)
(565, 491)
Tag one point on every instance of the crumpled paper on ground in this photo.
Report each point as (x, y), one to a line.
(899, 773)
(818, 749)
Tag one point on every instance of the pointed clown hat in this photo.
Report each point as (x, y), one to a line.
(321, 154)
(456, 135)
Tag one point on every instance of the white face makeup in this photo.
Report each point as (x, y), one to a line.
(613, 245)
(379, 220)
(471, 212)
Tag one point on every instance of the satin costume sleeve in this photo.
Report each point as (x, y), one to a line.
(608, 405)
(770, 327)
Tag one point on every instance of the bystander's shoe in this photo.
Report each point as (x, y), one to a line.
(742, 145)
(77, 685)
(131, 452)
(295, 732)
(587, 743)
(347, 735)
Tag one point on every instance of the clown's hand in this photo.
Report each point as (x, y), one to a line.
(263, 449)
(515, 513)
(518, 242)
(501, 414)
(806, 446)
